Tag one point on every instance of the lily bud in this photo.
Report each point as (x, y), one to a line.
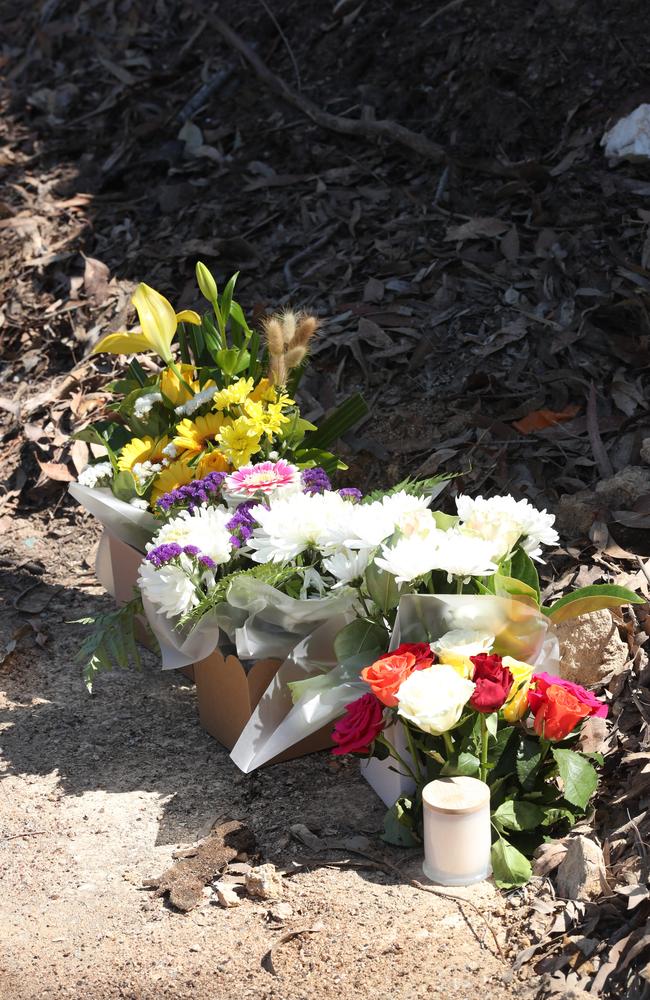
(206, 282)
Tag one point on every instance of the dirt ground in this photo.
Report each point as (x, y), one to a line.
(493, 306)
(98, 792)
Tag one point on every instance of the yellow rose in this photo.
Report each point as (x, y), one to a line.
(517, 704)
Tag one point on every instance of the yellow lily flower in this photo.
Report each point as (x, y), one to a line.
(517, 704)
(157, 328)
(173, 389)
(212, 461)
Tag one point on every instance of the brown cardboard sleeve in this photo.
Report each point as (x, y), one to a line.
(228, 695)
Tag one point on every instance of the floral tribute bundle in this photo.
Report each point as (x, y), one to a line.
(477, 713)
(221, 396)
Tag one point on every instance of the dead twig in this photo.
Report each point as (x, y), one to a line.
(598, 448)
(321, 241)
(267, 961)
(452, 5)
(26, 833)
(366, 129)
(285, 40)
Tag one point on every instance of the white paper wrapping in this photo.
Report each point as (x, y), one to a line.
(258, 619)
(277, 724)
(130, 525)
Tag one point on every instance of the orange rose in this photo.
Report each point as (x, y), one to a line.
(386, 675)
(559, 713)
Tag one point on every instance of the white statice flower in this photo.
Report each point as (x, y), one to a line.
(346, 565)
(144, 404)
(204, 527)
(372, 523)
(503, 521)
(433, 699)
(195, 402)
(170, 451)
(142, 471)
(139, 504)
(292, 524)
(96, 475)
(169, 588)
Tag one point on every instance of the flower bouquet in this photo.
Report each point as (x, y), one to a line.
(220, 394)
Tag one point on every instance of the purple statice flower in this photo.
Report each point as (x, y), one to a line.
(315, 481)
(207, 562)
(164, 553)
(241, 524)
(351, 493)
(191, 550)
(193, 494)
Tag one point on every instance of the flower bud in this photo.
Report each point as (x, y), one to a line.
(207, 284)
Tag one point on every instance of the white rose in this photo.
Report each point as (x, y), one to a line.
(433, 699)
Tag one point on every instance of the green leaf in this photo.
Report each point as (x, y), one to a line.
(360, 643)
(445, 521)
(226, 297)
(509, 866)
(509, 586)
(124, 486)
(579, 778)
(491, 723)
(337, 423)
(399, 825)
(594, 598)
(463, 763)
(383, 588)
(517, 814)
(528, 762)
(523, 568)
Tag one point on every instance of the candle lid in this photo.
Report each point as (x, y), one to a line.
(459, 794)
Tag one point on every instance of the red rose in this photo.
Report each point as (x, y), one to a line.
(361, 724)
(492, 683)
(424, 656)
(558, 713)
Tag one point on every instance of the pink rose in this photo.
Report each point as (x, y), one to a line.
(587, 698)
(361, 724)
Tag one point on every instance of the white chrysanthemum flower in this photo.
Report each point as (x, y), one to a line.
(96, 475)
(347, 565)
(169, 588)
(204, 527)
(144, 404)
(455, 554)
(503, 521)
(372, 523)
(298, 522)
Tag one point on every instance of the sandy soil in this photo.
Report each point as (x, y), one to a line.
(97, 793)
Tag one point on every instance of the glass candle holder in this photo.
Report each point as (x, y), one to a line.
(456, 830)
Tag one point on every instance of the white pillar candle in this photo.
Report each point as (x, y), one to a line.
(456, 830)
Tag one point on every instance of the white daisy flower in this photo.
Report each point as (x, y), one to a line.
(372, 523)
(346, 565)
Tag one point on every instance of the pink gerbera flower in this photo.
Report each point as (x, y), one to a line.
(263, 479)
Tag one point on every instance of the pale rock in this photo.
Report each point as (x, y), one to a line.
(281, 911)
(575, 514)
(227, 896)
(629, 138)
(590, 648)
(548, 857)
(264, 883)
(621, 491)
(645, 451)
(582, 873)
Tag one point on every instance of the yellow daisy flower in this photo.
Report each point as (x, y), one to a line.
(191, 435)
(234, 394)
(239, 440)
(176, 474)
(212, 461)
(141, 450)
